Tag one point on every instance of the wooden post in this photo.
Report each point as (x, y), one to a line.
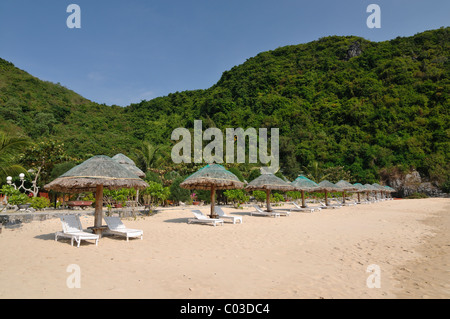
(303, 199)
(268, 200)
(343, 197)
(359, 199)
(326, 198)
(213, 193)
(98, 206)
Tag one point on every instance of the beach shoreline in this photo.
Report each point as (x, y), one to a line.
(323, 254)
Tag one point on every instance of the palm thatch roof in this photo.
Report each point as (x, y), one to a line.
(268, 181)
(304, 183)
(360, 188)
(129, 164)
(328, 187)
(346, 186)
(390, 189)
(370, 187)
(98, 170)
(212, 175)
(378, 187)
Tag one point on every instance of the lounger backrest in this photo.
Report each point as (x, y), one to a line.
(219, 211)
(114, 222)
(296, 205)
(258, 208)
(198, 214)
(71, 223)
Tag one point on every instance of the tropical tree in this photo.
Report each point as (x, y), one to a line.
(11, 147)
(148, 156)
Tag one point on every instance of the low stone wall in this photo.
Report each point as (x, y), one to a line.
(16, 218)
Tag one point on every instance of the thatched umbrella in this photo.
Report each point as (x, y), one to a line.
(94, 175)
(212, 177)
(326, 186)
(360, 188)
(304, 184)
(346, 187)
(267, 182)
(129, 164)
(370, 188)
(390, 190)
(379, 188)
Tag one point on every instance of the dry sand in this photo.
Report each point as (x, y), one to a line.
(305, 255)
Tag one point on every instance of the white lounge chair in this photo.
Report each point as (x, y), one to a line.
(324, 206)
(261, 212)
(298, 208)
(72, 229)
(200, 218)
(116, 227)
(224, 216)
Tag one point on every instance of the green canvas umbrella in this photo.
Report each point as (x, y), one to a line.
(304, 184)
(212, 177)
(267, 182)
(93, 175)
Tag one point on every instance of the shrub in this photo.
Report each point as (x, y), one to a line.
(237, 196)
(39, 202)
(18, 199)
(417, 196)
(277, 197)
(260, 196)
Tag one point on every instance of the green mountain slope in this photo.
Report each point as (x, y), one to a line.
(42, 110)
(369, 107)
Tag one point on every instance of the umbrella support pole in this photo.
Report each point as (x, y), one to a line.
(213, 197)
(98, 215)
(269, 209)
(303, 199)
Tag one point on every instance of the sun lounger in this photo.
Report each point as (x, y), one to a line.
(200, 218)
(298, 208)
(261, 212)
(329, 206)
(116, 227)
(72, 229)
(224, 216)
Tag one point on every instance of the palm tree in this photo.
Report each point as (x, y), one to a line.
(148, 156)
(10, 147)
(315, 172)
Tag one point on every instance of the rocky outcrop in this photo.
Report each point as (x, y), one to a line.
(353, 50)
(411, 183)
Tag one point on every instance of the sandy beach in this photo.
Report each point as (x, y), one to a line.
(323, 254)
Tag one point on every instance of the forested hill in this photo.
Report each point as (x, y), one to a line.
(340, 101)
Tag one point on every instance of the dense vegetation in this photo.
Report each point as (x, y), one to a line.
(382, 110)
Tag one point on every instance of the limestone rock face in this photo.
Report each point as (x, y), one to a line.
(353, 50)
(411, 183)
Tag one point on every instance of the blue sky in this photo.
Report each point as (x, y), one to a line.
(128, 51)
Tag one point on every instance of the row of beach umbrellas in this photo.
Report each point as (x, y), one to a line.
(214, 176)
(102, 172)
